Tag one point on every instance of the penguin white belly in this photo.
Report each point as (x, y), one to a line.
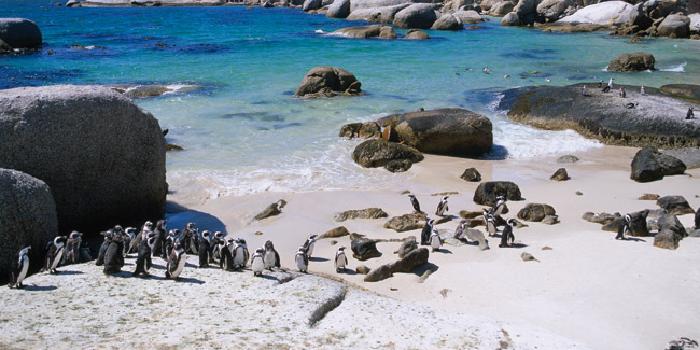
(270, 259)
(239, 259)
(435, 242)
(23, 273)
(257, 264)
(340, 261)
(180, 266)
(301, 265)
(310, 250)
(491, 228)
(57, 258)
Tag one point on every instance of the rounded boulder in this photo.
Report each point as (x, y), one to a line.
(20, 33)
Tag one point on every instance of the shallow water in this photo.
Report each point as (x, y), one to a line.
(244, 132)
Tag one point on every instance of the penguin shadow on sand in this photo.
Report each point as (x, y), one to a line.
(318, 259)
(514, 245)
(445, 251)
(347, 271)
(632, 239)
(68, 273)
(38, 288)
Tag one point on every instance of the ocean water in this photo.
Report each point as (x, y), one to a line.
(245, 132)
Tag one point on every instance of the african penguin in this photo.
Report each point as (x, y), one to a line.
(697, 219)
(442, 207)
(309, 245)
(427, 231)
(414, 203)
(54, 253)
(490, 222)
(143, 260)
(435, 241)
(507, 235)
(302, 260)
(271, 258)
(204, 249)
(73, 247)
(500, 205)
(217, 243)
(257, 264)
(114, 260)
(131, 240)
(240, 254)
(103, 248)
(170, 242)
(161, 234)
(226, 260)
(176, 261)
(19, 272)
(624, 228)
(341, 261)
(190, 238)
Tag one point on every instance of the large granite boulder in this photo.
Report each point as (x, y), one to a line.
(356, 5)
(536, 212)
(339, 9)
(501, 8)
(526, 11)
(676, 205)
(675, 26)
(101, 155)
(552, 10)
(394, 157)
(629, 62)
(658, 120)
(20, 33)
(416, 34)
(448, 22)
(450, 131)
(510, 20)
(311, 5)
(651, 165)
(685, 91)
(328, 81)
(606, 13)
(383, 14)
(363, 249)
(469, 17)
(671, 232)
(27, 218)
(487, 192)
(419, 16)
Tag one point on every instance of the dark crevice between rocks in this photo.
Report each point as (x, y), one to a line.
(327, 306)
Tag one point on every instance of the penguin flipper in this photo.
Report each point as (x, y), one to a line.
(277, 259)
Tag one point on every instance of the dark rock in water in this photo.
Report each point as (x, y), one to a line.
(638, 224)
(420, 16)
(602, 218)
(271, 210)
(649, 197)
(567, 159)
(408, 245)
(363, 249)
(471, 175)
(360, 130)
(629, 62)
(366, 214)
(560, 175)
(412, 260)
(651, 165)
(5, 48)
(416, 34)
(362, 270)
(339, 9)
(173, 147)
(676, 205)
(487, 192)
(686, 91)
(20, 33)
(28, 215)
(362, 32)
(340, 231)
(450, 131)
(328, 81)
(101, 155)
(535, 212)
(671, 231)
(379, 273)
(658, 121)
(390, 155)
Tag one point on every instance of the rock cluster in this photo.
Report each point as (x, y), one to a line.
(328, 82)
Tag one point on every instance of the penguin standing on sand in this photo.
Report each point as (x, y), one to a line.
(490, 222)
(507, 235)
(203, 249)
(143, 261)
(414, 203)
(641, 91)
(500, 205)
(73, 247)
(54, 253)
(302, 260)
(19, 272)
(103, 248)
(623, 93)
(240, 254)
(427, 231)
(257, 263)
(435, 241)
(341, 261)
(217, 244)
(114, 260)
(459, 231)
(271, 257)
(170, 243)
(624, 228)
(226, 260)
(309, 245)
(176, 261)
(191, 236)
(442, 207)
(690, 114)
(161, 234)
(132, 239)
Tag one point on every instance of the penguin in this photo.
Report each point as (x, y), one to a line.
(500, 205)
(442, 207)
(302, 260)
(697, 219)
(490, 222)
(132, 240)
(341, 261)
(103, 248)
(271, 257)
(114, 260)
(19, 272)
(176, 261)
(427, 230)
(623, 93)
(170, 242)
(240, 254)
(507, 235)
(584, 92)
(415, 203)
(190, 238)
(610, 83)
(54, 252)
(203, 249)
(309, 245)
(143, 260)
(459, 231)
(641, 91)
(161, 234)
(690, 114)
(217, 244)
(486, 70)
(435, 241)
(73, 248)
(606, 89)
(226, 260)
(624, 228)
(257, 264)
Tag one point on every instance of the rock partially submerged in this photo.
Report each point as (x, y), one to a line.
(360, 130)
(654, 119)
(365, 214)
(416, 34)
(631, 62)
(328, 82)
(651, 165)
(392, 156)
(487, 192)
(366, 32)
(20, 33)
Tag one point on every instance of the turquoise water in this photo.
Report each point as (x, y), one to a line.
(244, 132)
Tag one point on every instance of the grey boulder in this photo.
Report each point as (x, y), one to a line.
(536, 212)
(448, 22)
(674, 26)
(487, 192)
(420, 16)
(20, 33)
(392, 156)
(328, 81)
(650, 165)
(676, 205)
(339, 9)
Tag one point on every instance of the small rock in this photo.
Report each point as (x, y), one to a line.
(378, 274)
(392, 156)
(362, 269)
(602, 218)
(567, 159)
(406, 222)
(360, 130)
(629, 62)
(272, 210)
(334, 242)
(551, 219)
(471, 175)
(444, 292)
(579, 193)
(528, 257)
(328, 81)
(536, 212)
(173, 147)
(560, 175)
(425, 276)
(546, 248)
(408, 245)
(258, 233)
(470, 214)
(486, 192)
(416, 34)
(649, 197)
(365, 214)
(340, 231)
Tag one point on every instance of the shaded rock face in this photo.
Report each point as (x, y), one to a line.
(675, 26)
(20, 33)
(102, 156)
(407, 246)
(27, 218)
(451, 131)
(310, 5)
(387, 33)
(676, 205)
(629, 62)
(418, 16)
(363, 249)
(552, 10)
(360, 130)
(501, 8)
(328, 81)
(448, 22)
(510, 20)
(671, 232)
(657, 120)
(536, 212)
(686, 91)
(365, 214)
(487, 192)
(408, 263)
(650, 165)
(471, 175)
(392, 156)
(378, 274)
(339, 9)
(560, 175)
